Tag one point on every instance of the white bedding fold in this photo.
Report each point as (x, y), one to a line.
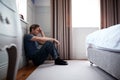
(106, 38)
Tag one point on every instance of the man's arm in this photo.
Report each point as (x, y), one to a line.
(44, 39)
(42, 33)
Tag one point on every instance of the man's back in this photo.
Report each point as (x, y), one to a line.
(29, 45)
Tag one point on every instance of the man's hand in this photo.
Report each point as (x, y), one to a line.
(41, 32)
(58, 43)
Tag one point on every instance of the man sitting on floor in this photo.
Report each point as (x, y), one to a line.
(38, 47)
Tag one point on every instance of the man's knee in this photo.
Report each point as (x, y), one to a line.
(49, 43)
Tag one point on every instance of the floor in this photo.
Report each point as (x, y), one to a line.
(24, 72)
(76, 70)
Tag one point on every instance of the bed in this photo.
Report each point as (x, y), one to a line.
(103, 49)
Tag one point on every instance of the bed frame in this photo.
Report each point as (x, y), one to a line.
(106, 60)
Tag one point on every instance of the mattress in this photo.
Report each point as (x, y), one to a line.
(103, 48)
(107, 38)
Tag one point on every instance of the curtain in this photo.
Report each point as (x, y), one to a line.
(61, 22)
(110, 13)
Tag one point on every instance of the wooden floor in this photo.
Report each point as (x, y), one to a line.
(24, 72)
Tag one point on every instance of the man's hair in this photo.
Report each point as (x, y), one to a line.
(34, 26)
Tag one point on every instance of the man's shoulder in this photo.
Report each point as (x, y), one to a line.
(28, 36)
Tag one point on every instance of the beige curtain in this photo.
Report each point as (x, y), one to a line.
(110, 13)
(61, 19)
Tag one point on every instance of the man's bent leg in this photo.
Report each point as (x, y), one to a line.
(42, 54)
(53, 51)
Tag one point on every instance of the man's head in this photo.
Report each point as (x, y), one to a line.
(35, 29)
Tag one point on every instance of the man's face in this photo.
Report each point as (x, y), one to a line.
(36, 31)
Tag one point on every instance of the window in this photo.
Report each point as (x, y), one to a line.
(86, 13)
(22, 8)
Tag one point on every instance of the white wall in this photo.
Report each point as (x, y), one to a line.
(30, 12)
(40, 13)
(42, 2)
(43, 16)
(78, 41)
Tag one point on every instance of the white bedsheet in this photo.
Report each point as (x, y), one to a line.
(108, 38)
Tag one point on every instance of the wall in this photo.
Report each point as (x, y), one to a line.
(30, 12)
(78, 41)
(43, 16)
(23, 30)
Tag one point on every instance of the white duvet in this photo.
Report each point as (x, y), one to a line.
(108, 38)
